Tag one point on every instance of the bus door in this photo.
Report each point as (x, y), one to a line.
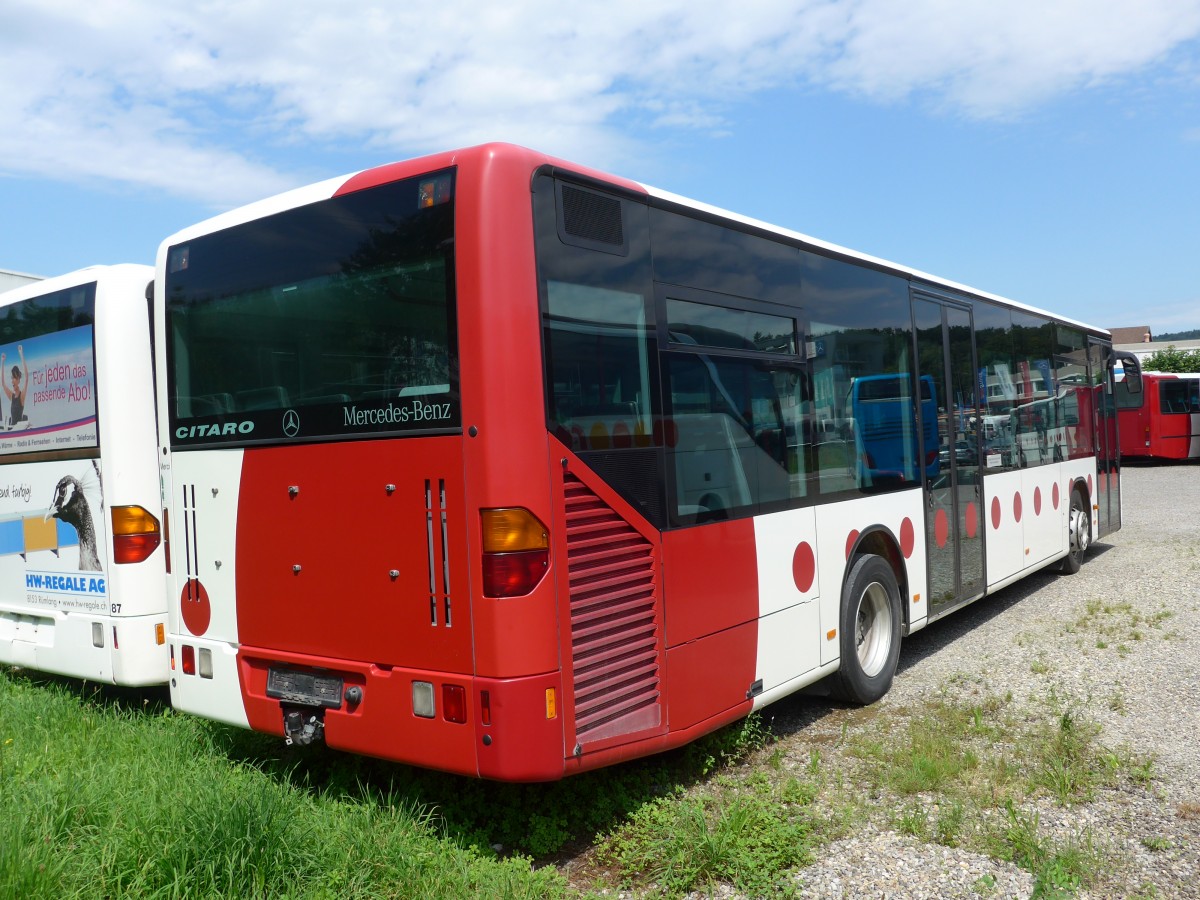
(1107, 497)
(953, 489)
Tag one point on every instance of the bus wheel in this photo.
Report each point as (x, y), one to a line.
(1079, 534)
(870, 626)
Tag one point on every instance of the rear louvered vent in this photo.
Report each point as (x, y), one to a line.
(592, 217)
(614, 624)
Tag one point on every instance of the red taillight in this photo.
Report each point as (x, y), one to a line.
(189, 660)
(167, 539)
(454, 703)
(136, 534)
(516, 551)
(172, 657)
(513, 574)
(485, 703)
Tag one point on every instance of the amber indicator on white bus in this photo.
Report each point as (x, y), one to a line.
(136, 533)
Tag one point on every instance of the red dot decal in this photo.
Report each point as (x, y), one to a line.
(804, 567)
(1017, 506)
(1037, 501)
(193, 603)
(851, 540)
(1056, 495)
(908, 537)
(941, 528)
(995, 512)
(972, 520)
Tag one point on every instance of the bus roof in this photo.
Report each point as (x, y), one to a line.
(512, 153)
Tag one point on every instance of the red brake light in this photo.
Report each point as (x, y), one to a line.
(513, 574)
(167, 539)
(189, 660)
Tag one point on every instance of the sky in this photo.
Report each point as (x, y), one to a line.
(1044, 150)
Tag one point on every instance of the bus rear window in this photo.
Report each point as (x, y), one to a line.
(332, 320)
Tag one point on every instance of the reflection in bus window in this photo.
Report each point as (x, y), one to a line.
(884, 415)
(736, 441)
(599, 366)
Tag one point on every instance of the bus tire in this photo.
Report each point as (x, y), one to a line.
(1079, 534)
(870, 631)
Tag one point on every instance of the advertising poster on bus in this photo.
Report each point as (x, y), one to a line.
(53, 537)
(48, 401)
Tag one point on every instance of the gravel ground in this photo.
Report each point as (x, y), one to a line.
(1133, 668)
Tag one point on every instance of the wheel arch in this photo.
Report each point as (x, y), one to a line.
(878, 540)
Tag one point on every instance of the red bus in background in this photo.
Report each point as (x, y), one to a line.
(492, 463)
(1163, 420)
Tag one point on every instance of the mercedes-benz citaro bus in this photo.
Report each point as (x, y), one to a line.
(492, 463)
(82, 579)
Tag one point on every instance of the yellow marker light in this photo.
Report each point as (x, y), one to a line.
(160, 634)
(916, 598)
(831, 634)
(512, 529)
(551, 703)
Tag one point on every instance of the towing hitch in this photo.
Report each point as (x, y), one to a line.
(303, 725)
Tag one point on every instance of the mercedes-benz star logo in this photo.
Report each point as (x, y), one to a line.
(291, 423)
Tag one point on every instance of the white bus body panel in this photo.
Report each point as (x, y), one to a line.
(203, 489)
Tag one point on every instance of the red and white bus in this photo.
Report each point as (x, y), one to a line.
(492, 463)
(1162, 419)
(81, 572)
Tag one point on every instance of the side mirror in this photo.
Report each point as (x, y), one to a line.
(1126, 367)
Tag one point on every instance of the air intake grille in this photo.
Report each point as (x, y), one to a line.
(614, 625)
(592, 217)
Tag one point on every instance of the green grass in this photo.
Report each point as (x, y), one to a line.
(752, 840)
(106, 794)
(963, 774)
(109, 793)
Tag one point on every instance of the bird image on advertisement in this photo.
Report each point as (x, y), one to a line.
(72, 507)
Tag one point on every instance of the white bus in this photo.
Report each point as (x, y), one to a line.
(82, 574)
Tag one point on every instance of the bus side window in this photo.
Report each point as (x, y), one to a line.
(734, 452)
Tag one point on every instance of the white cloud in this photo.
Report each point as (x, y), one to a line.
(179, 97)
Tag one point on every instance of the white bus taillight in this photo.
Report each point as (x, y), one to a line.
(136, 533)
(516, 552)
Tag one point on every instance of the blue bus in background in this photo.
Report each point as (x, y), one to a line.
(885, 427)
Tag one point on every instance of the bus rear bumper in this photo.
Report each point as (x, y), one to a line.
(109, 649)
(505, 729)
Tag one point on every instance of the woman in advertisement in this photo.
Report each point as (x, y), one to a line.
(20, 383)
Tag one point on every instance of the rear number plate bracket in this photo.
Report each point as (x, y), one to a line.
(306, 688)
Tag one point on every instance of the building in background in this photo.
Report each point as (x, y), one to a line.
(9, 280)
(1140, 341)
